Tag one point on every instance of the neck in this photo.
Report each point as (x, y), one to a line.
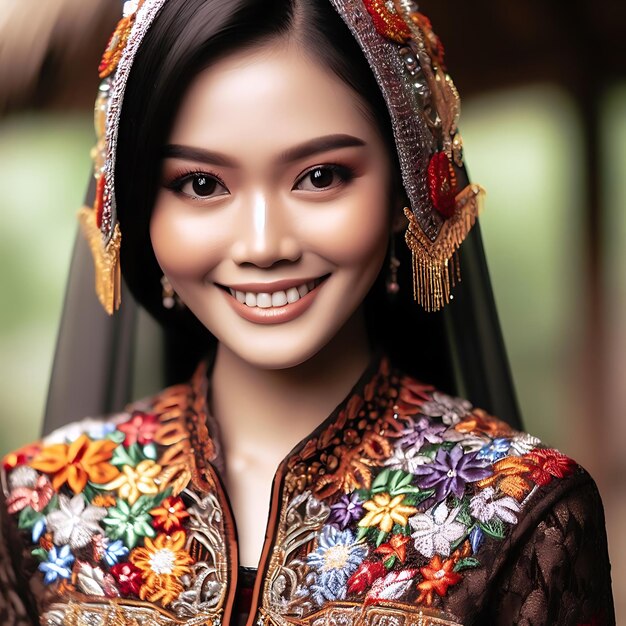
(265, 412)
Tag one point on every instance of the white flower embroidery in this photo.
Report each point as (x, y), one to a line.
(74, 523)
(407, 460)
(436, 530)
(522, 444)
(23, 476)
(484, 508)
(93, 581)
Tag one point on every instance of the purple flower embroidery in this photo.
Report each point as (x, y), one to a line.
(347, 510)
(424, 431)
(450, 471)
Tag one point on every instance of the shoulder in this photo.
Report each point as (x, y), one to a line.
(81, 499)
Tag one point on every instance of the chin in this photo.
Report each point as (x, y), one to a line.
(281, 354)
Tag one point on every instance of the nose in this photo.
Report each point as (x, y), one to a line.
(264, 235)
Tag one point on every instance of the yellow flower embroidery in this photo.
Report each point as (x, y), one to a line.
(162, 562)
(384, 511)
(136, 481)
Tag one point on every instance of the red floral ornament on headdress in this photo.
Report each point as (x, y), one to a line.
(386, 22)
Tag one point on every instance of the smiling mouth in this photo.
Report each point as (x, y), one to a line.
(275, 299)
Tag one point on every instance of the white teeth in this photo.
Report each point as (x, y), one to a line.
(279, 298)
(264, 300)
(292, 295)
(276, 299)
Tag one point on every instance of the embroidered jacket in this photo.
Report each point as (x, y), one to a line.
(404, 507)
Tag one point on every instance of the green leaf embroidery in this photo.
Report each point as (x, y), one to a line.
(493, 528)
(40, 554)
(390, 561)
(28, 518)
(466, 563)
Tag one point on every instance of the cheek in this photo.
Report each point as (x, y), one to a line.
(180, 239)
(357, 236)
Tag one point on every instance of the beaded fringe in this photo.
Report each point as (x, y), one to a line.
(435, 266)
(106, 260)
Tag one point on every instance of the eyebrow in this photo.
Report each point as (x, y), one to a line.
(318, 145)
(302, 151)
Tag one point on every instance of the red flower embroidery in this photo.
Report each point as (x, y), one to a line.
(140, 428)
(169, 515)
(20, 457)
(550, 464)
(365, 575)
(395, 547)
(128, 578)
(438, 576)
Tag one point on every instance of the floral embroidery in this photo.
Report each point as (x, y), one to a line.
(385, 511)
(391, 501)
(335, 559)
(36, 497)
(162, 562)
(346, 510)
(74, 523)
(436, 530)
(450, 471)
(454, 480)
(78, 462)
(57, 564)
(140, 428)
(438, 576)
(129, 523)
(485, 508)
(128, 577)
(136, 481)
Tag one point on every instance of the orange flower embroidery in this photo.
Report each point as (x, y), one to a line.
(169, 515)
(162, 563)
(78, 462)
(510, 475)
(438, 576)
(105, 500)
(481, 422)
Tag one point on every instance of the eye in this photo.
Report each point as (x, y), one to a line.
(199, 185)
(323, 177)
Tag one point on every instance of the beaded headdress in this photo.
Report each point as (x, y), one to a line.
(406, 58)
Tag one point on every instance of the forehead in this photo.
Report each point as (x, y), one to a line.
(267, 97)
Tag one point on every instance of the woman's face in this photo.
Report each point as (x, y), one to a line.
(273, 213)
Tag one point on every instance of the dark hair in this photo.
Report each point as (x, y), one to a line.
(186, 37)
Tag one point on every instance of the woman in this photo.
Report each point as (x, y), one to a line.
(257, 157)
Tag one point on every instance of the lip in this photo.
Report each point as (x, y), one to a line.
(273, 315)
(278, 285)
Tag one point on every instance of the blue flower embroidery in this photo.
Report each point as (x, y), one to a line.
(494, 451)
(336, 558)
(57, 565)
(113, 552)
